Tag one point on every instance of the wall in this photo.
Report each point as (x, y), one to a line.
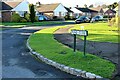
(6, 16)
(60, 10)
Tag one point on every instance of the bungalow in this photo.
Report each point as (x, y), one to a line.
(52, 10)
(76, 12)
(99, 9)
(110, 13)
(8, 8)
(22, 8)
(87, 12)
(69, 12)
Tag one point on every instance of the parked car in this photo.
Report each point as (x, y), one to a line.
(97, 18)
(42, 17)
(82, 19)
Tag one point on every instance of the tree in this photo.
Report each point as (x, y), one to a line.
(104, 6)
(85, 5)
(91, 6)
(32, 13)
(110, 6)
(113, 6)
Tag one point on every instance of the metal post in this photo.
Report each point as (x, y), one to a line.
(84, 45)
(74, 42)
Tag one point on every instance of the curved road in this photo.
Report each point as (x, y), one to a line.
(18, 63)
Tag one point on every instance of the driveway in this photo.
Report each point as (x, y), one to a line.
(17, 61)
(104, 50)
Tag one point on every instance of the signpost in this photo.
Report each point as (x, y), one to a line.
(81, 33)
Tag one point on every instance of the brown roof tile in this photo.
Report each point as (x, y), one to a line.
(47, 7)
(13, 3)
(96, 8)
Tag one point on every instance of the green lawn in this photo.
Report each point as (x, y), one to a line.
(100, 32)
(44, 43)
(16, 25)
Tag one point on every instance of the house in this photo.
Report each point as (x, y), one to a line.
(6, 10)
(76, 12)
(110, 13)
(87, 12)
(52, 10)
(20, 7)
(69, 12)
(99, 9)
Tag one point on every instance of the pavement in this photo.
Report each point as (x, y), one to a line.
(18, 64)
(105, 50)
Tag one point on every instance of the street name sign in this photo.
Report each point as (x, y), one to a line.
(80, 32)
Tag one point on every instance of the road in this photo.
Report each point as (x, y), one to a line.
(18, 63)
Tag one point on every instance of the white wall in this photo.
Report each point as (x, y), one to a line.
(22, 8)
(60, 9)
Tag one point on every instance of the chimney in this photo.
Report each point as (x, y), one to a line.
(77, 6)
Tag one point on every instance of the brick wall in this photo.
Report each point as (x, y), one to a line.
(6, 16)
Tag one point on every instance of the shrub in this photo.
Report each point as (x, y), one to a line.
(15, 17)
(114, 22)
(111, 22)
(55, 17)
(23, 20)
(27, 17)
(36, 19)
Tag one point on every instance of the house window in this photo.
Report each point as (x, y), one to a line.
(21, 13)
(106, 13)
(110, 14)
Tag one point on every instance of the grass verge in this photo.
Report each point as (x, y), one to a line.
(99, 32)
(44, 43)
(16, 25)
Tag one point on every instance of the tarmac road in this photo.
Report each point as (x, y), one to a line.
(18, 64)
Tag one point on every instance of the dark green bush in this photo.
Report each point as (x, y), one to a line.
(15, 17)
(32, 13)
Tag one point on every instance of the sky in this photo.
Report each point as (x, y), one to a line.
(73, 3)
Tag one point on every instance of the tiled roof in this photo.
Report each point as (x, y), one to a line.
(12, 4)
(86, 10)
(110, 11)
(47, 7)
(96, 8)
(68, 9)
(5, 6)
(8, 5)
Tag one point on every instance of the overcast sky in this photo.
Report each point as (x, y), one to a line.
(73, 3)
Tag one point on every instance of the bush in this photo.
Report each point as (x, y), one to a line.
(36, 19)
(23, 20)
(113, 22)
(55, 17)
(15, 17)
(67, 17)
(27, 17)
